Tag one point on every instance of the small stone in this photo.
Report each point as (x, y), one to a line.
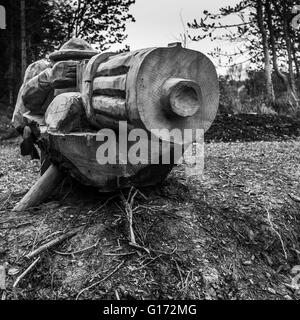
(80, 264)
(287, 297)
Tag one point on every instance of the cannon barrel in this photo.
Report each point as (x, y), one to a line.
(156, 88)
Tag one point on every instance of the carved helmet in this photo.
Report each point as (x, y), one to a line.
(74, 49)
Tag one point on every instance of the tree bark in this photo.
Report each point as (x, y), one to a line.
(290, 56)
(296, 62)
(267, 58)
(11, 51)
(23, 38)
(286, 81)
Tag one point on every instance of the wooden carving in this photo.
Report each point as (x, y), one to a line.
(82, 92)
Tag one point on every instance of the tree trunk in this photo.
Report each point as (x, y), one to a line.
(296, 62)
(11, 51)
(290, 57)
(267, 58)
(23, 39)
(287, 81)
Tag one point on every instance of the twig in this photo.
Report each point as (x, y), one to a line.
(17, 226)
(179, 271)
(78, 251)
(187, 283)
(25, 272)
(295, 198)
(128, 209)
(128, 204)
(52, 234)
(278, 234)
(117, 294)
(140, 193)
(105, 278)
(118, 254)
(37, 233)
(104, 204)
(136, 246)
(50, 244)
(22, 224)
(98, 209)
(146, 264)
(164, 252)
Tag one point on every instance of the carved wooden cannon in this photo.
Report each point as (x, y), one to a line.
(158, 88)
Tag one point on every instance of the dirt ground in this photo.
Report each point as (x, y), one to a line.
(231, 234)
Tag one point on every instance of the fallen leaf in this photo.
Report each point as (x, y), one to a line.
(13, 271)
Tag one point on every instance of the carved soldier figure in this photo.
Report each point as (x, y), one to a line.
(44, 80)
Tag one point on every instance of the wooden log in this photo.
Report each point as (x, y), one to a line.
(112, 86)
(41, 189)
(150, 72)
(51, 244)
(110, 106)
(81, 150)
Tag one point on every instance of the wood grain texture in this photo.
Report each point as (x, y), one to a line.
(87, 86)
(110, 106)
(65, 113)
(114, 86)
(38, 119)
(158, 66)
(80, 73)
(71, 54)
(77, 153)
(57, 92)
(181, 97)
(153, 99)
(116, 65)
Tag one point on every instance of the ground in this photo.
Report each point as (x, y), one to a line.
(232, 233)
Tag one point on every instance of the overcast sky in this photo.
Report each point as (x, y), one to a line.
(158, 22)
